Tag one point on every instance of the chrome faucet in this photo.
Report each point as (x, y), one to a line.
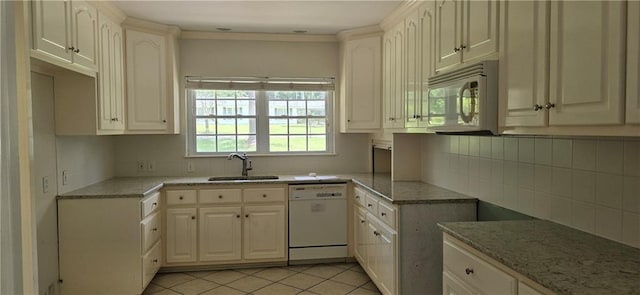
(245, 159)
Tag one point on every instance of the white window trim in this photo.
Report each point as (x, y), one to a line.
(262, 132)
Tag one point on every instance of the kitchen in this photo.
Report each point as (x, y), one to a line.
(578, 176)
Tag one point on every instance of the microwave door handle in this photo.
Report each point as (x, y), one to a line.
(467, 118)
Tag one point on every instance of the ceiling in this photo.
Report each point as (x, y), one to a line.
(313, 16)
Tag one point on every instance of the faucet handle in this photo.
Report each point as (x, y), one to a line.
(249, 168)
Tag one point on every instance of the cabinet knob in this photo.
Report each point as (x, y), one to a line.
(73, 49)
(220, 197)
(264, 195)
(383, 214)
(469, 271)
(154, 204)
(376, 233)
(114, 119)
(164, 121)
(361, 221)
(237, 215)
(418, 116)
(348, 121)
(193, 217)
(246, 215)
(537, 107)
(462, 46)
(155, 260)
(369, 205)
(549, 105)
(154, 229)
(456, 49)
(181, 197)
(357, 197)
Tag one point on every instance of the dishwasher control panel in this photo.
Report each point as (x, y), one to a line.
(317, 191)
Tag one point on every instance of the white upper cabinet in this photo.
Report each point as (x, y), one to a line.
(387, 79)
(65, 33)
(633, 63)
(412, 69)
(587, 62)
(111, 76)
(426, 22)
(151, 75)
(361, 97)
(523, 62)
(393, 76)
(465, 30)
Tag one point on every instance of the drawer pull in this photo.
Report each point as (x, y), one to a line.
(361, 221)
(154, 204)
(247, 216)
(154, 229)
(357, 197)
(237, 215)
(376, 233)
(469, 271)
(181, 198)
(264, 195)
(155, 260)
(369, 205)
(193, 217)
(220, 197)
(383, 214)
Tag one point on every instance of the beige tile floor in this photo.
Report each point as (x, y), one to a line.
(323, 279)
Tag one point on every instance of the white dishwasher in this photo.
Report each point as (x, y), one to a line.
(317, 221)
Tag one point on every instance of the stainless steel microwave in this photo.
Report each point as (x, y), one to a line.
(464, 100)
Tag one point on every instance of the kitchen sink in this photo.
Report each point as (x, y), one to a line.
(232, 178)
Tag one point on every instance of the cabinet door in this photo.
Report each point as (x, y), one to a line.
(427, 31)
(388, 86)
(479, 28)
(633, 62)
(360, 232)
(587, 62)
(399, 75)
(448, 33)
(117, 77)
(363, 78)
(220, 234)
(524, 289)
(181, 235)
(372, 249)
(50, 27)
(264, 232)
(386, 265)
(412, 69)
(146, 81)
(84, 27)
(523, 62)
(105, 86)
(453, 286)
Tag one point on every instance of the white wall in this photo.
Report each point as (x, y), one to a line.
(592, 184)
(88, 160)
(230, 58)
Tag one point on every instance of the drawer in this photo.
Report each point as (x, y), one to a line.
(253, 195)
(476, 272)
(217, 196)
(151, 263)
(360, 196)
(372, 204)
(181, 197)
(387, 214)
(150, 204)
(151, 230)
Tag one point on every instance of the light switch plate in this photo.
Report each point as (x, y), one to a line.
(140, 166)
(151, 166)
(65, 177)
(45, 184)
(191, 167)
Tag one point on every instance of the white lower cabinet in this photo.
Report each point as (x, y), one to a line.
(109, 245)
(467, 271)
(228, 225)
(360, 243)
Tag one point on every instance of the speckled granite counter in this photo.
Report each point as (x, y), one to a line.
(408, 192)
(564, 260)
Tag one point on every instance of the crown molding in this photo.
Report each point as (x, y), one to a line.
(361, 32)
(152, 27)
(113, 12)
(257, 37)
(404, 9)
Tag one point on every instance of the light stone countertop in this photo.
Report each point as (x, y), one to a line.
(562, 259)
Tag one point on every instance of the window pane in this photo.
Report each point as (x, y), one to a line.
(316, 108)
(228, 94)
(226, 108)
(277, 108)
(246, 94)
(246, 126)
(278, 126)
(316, 95)
(297, 126)
(205, 126)
(247, 143)
(317, 143)
(317, 126)
(203, 94)
(226, 126)
(205, 107)
(205, 144)
(246, 107)
(226, 143)
(298, 143)
(297, 108)
(278, 143)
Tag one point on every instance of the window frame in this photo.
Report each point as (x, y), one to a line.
(262, 126)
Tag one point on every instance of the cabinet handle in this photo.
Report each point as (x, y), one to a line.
(469, 271)
(181, 197)
(154, 229)
(383, 214)
(361, 221)
(462, 46)
(537, 107)
(246, 215)
(456, 49)
(369, 205)
(155, 260)
(264, 195)
(549, 105)
(154, 204)
(357, 197)
(237, 215)
(193, 217)
(220, 197)
(375, 233)
(73, 49)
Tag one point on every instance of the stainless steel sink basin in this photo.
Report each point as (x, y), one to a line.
(233, 178)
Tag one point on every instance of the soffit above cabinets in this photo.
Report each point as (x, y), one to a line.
(313, 16)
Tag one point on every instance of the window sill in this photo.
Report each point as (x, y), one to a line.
(330, 154)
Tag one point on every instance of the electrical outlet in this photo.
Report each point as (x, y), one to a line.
(191, 167)
(65, 177)
(45, 185)
(151, 166)
(140, 166)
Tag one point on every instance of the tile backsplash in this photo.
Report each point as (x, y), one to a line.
(591, 184)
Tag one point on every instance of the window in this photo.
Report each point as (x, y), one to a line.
(259, 116)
